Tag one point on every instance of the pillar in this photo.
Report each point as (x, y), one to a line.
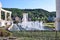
(6, 16)
(25, 17)
(0, 13)
(10, 15)
(58, 15)
(0, 10)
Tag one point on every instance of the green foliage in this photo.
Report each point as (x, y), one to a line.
(4, 33)
(34, 14)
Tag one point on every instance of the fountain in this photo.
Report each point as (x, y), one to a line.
(31, 25)
(28, 25)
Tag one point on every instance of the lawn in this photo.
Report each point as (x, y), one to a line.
(51, 25)
(36, 35)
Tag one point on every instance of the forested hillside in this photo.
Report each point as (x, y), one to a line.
(34, 14)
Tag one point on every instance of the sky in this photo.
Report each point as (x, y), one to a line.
(48, 5)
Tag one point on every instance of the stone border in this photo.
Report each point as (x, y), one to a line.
(8, 38)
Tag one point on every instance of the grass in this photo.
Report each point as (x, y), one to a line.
(51, 25)
(37, 35)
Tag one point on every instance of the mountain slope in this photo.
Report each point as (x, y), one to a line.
(34, 14)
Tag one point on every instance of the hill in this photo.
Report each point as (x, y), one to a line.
(34, 14)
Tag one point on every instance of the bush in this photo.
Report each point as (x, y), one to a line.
(5, 33)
